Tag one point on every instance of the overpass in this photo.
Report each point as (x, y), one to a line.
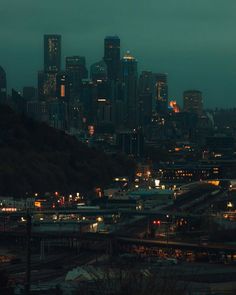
(210, 248)
(124, 241)
(104, 212)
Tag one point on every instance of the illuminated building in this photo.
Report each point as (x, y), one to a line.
(88, 100)
(104, 111)
(76, 68)
(98, 71)
(129, 74)
(52, 53)
(192, 102)
(189, 172)
(63, 85)
(77, 64)
(112, 56)
(3, 85)
(52, 65)
(46, 85)
(161, 93)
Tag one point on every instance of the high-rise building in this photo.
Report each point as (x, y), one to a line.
(104, 111)
(98, 71)
(52, 53)
(112, 56)
(161, 96)
(77, 64)
(192, 101)
(76, 69)
(88, 99)
(144, 108)
(131, 143)
(146, 82)
(145, 97)
(47, 85)
(3, 85)
(63, 85)
(129, 76)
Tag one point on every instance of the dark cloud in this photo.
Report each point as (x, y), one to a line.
(194, 41)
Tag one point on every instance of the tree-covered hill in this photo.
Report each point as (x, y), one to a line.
(37, 158)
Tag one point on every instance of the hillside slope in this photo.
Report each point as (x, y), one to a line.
(37, 158)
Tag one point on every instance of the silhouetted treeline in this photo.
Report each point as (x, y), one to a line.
(37, 158)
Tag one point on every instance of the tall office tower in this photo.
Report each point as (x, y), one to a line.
(112, 57)
(76, 68)
(52, 53)
(88, 99)
(63, 85)
(98, 71)
(146, 82)
(129, 76)
(145, 97)
(192, 101)
(144, 108)
(131, 143)
(46, 85)
(77, 64)
(3, 85)
(161, 96)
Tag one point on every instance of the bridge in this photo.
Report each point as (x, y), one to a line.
(124, 241)
(104, 212)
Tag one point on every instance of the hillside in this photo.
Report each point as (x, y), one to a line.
(38, 158)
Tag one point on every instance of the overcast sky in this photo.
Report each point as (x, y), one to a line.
(193, 41)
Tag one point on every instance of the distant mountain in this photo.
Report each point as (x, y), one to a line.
(37, 158)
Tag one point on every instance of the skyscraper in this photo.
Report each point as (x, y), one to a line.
(192, 101)
(112, 56)
(63, 85)
(46, 85)
(52, 53)
(146, 82)
(98, 71)
(77, 64)
(3, 85)
(129, 77)
(161, 96)
(145, 97)
(52, 65)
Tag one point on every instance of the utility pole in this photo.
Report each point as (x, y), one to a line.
(28, 253)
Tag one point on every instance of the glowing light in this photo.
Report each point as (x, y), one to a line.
(230, 205)
(63, 91)
(91, 130)
(174, 106)
(9, 209)
(99, 219)
(37, 204)
(157, 182)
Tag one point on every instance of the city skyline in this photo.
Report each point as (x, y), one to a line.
(192, 42)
